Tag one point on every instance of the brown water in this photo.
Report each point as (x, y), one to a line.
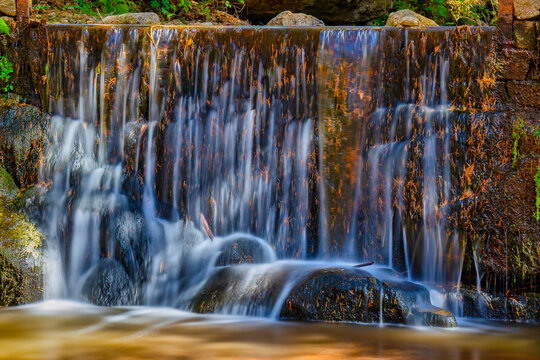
(62, 330)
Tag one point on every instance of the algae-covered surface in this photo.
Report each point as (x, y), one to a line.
(20, 249)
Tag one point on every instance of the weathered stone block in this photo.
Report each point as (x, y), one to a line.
(514, 64)
(525, 34)
(526, 9)
(8, 7)
(287, 18)
(525, 93)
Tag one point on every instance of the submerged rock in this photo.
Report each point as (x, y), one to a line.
(108, 284)
(287, 18)
(148, 18)
(408, 18)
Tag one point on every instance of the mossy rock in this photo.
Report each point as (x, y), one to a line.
(20, 250)
(23, 134)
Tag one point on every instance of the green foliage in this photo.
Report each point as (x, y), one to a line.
(181, 8)
(103, 7)
(6, 68)
(4, 28)
(537, 186)
(518, 130)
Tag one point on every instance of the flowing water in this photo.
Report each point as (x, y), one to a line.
(314, 148)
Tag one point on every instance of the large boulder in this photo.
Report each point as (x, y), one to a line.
(23, 135)
(299, 292)
(287, 18)
(408, 18)
(108, 284)
(148, 18)
(338, 294)
(335, 12)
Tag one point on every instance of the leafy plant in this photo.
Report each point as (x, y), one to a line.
(6, 68)
(4, 27)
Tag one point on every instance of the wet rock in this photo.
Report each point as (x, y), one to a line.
(483, 305)
(147, 18)
(305, 293)
(243, 250)
(338, 294)
(23, 134)
(408, 18)
(526, 9)
(331, 11)
(287, 18)
(109, 285)
(244, 290)
(8, 7)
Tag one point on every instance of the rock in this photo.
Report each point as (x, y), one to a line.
(148, 18)
(8, 189)
(525, 34)
(332, 294)
(20, 250)
(23, 134)
(408, 18)
(8, 7)
(287, 18)
(336, 12)
(338, 294)
(483, 305)
(109, 285)
(237, 250)
(526, 9)
(250, 289)
(524, 93)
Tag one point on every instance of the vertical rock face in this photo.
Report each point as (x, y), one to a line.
(8, 7)
(331, 12)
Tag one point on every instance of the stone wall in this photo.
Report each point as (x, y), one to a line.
(518, 75)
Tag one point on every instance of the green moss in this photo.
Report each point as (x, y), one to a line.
(8, 189)
(20, 250)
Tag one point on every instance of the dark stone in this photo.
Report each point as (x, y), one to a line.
(483, 305)
(525, 93)
(241, 250)
(338, 294)
(227, 287)
(109, 285)
(23, 135)
(514, 64)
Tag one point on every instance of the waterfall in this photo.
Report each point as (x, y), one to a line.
(332, 144)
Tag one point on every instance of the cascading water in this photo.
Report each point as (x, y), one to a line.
(328, 144)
